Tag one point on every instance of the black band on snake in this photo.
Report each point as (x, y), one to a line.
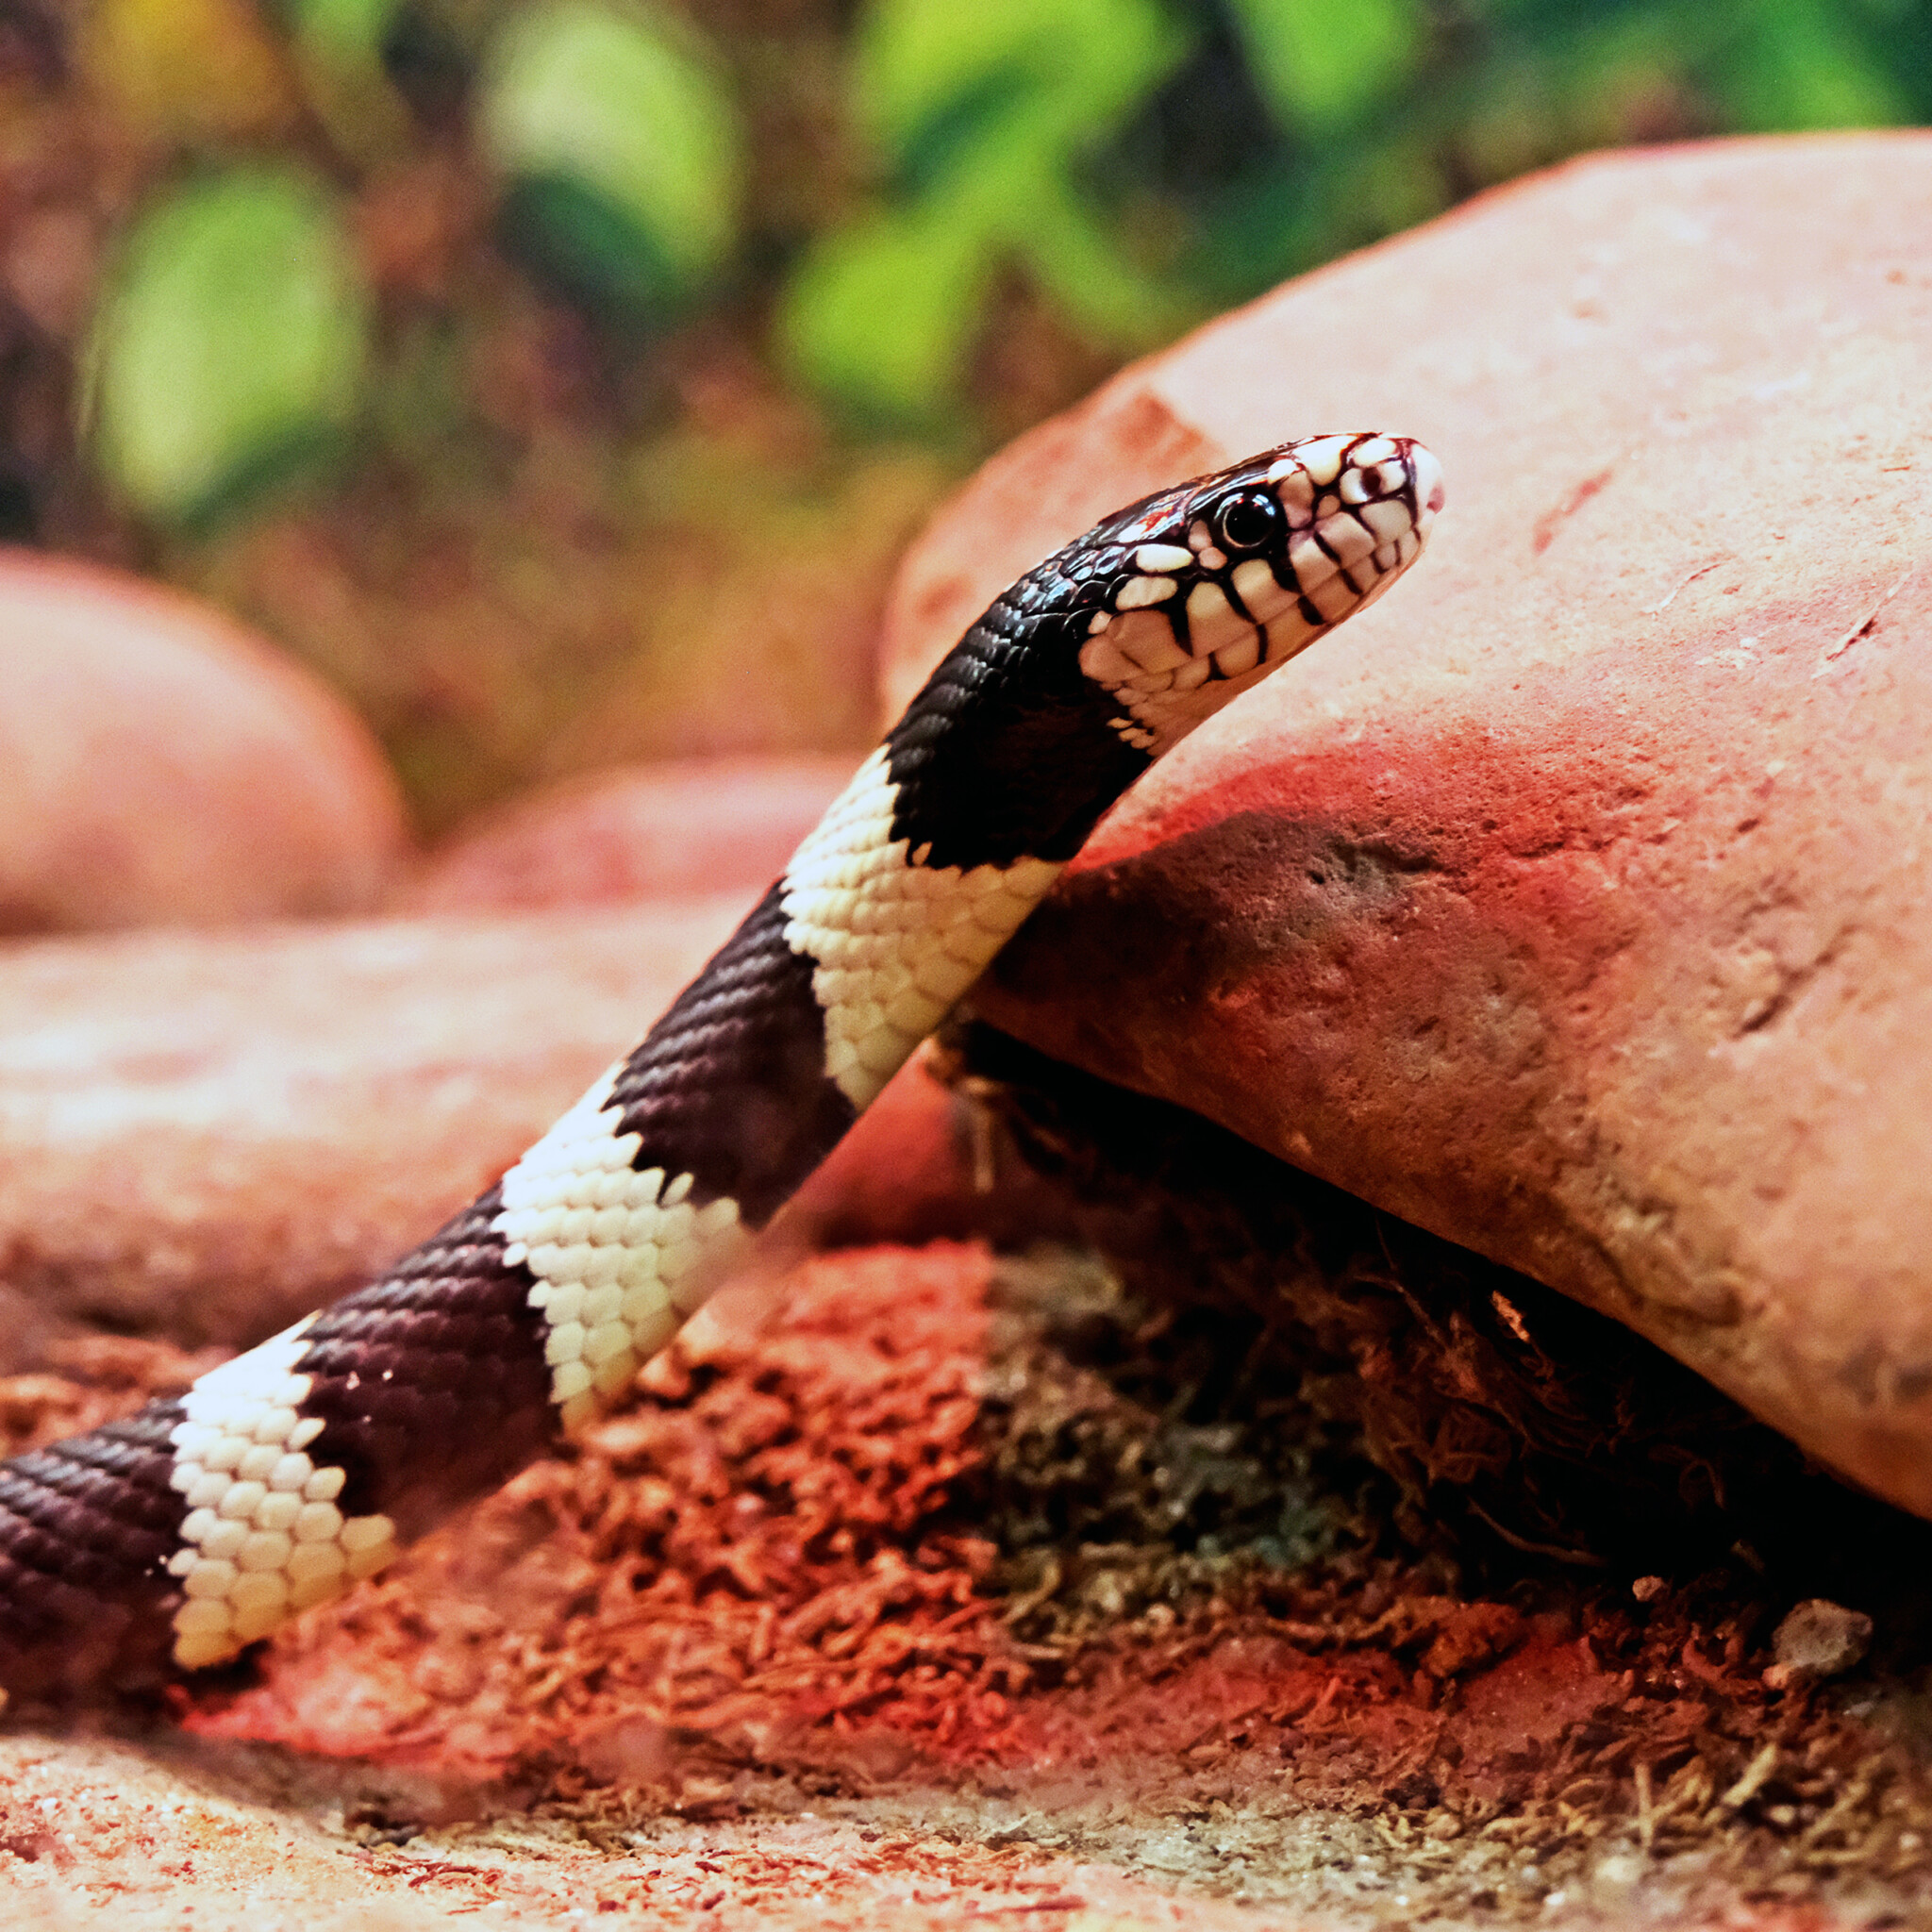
(176, 1538)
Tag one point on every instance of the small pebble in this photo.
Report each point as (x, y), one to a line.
(1818, 1639)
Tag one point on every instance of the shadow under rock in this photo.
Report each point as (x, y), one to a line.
(1511, 1430)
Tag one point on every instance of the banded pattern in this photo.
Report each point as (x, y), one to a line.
(262, 1536)
(620, 1257)
(177, 1539)
(894, 941)
(302, 1464)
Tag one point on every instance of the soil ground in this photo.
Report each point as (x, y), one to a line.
(963, 1590)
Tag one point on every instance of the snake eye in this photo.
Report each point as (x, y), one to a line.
(1248, 521)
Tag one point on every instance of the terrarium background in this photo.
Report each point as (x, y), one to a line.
(561, 377)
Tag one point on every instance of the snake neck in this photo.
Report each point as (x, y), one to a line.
(1008, 752)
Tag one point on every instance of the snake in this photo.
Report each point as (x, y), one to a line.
(172, 1540)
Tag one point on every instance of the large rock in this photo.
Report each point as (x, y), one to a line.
(1572, 902)
(203, 1135)
(640, 831)
(161, 765)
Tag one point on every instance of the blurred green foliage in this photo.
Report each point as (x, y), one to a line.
(619, 144)
(1131, 164)
(522, 362)
(230, 343)
(1144, 161)
(337, 48)
(981, 116)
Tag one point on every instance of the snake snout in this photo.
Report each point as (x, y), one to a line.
(1427, 474)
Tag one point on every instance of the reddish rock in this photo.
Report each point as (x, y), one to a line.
(203, 1135)
(1570, 903)
(161, 765)
(695, 826)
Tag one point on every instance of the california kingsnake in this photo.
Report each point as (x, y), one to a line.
(194, 1527)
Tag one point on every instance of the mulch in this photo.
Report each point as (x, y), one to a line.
(770, 1568)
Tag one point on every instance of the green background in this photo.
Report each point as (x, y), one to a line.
(563, 377)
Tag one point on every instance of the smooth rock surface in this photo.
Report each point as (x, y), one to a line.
(161, 765)
(642, 831)
(205, 1135)
(1572, 902)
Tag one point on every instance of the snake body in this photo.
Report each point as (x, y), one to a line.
(177, 1538)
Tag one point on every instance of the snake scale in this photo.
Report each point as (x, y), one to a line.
(173, 1539)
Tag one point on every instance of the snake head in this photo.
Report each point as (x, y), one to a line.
(1196, 593)
(1115, 647)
